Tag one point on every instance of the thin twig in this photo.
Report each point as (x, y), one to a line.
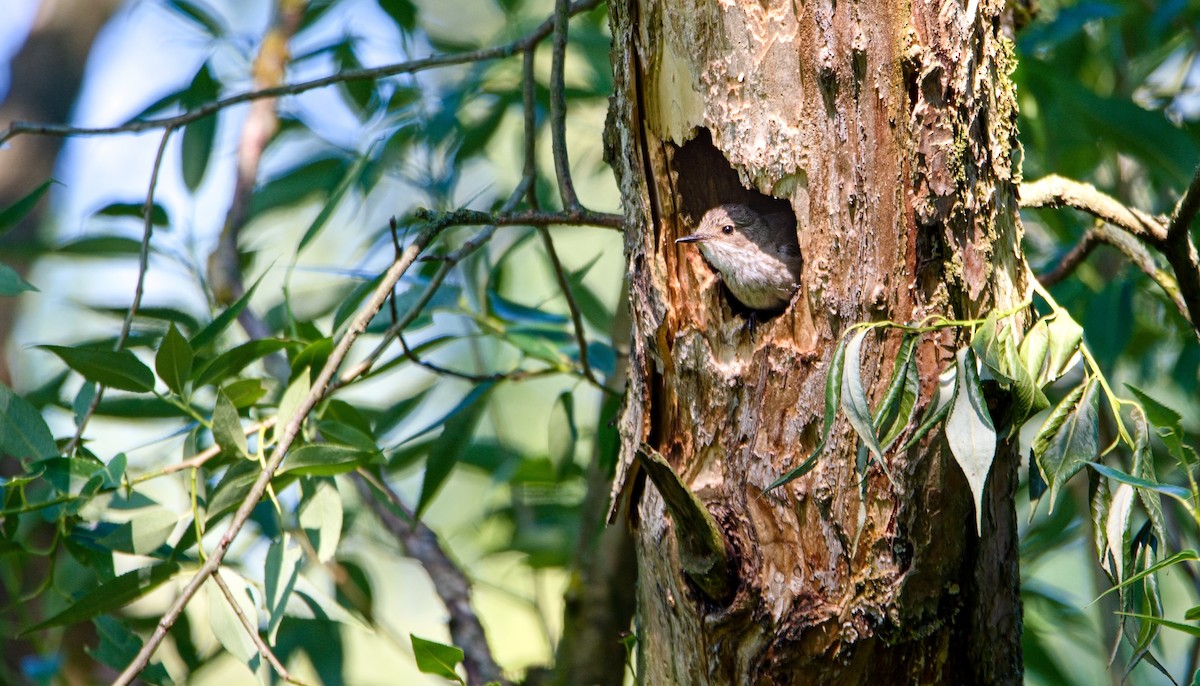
(516, 375)
(138, 290)
(529, 103)
(284, 442)
(558, 107)
(564, 285)
(200, 458)
(451, 585)
(575, 217)
(1185, 210)
(1056, 191)
(263, 648)
(410, 67)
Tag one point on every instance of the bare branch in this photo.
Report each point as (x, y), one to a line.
(284, 443)
(138, 289)
(1056, 191)
(410, 67)
(564, 285)
(1074, 257)
(205, 455)
(558, 107)
(263, 648)
(451, 585)
(576, 217)
(1185, 210)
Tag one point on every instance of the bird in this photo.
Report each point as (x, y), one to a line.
(757, 255)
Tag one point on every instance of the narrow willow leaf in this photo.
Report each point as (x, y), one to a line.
(233, 361)
(562, 433)
(282, 569)
(1068, 439)
(1189, 629)
(227, 428)
(854, 396)
(119, 369)
(208, 335)
(295, 394)
(111, 595)
(325, 459)
(989, 343)
(1035, 348)
(970, 433)
(947, 393)
(1064, 337)
(23, 432)
(321, 516)
(1178, 492)
(224, 622)
(1143, 468)
(1192, 614)
(1099, 505)
(1170, 428)
(142, 531)
(890, 410)
(833, 387)
(14, 213)
(436, 658)
(199, 136)
(1188, 555)
(352, 176)
(119, 646)
(11, 283)
(1116, 530)
(174, 360)
(449, 446)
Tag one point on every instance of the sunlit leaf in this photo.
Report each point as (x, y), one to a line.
(437, 658)
(854, 396)
(321, 516)
(224, 621)
(227, 428)
(1069, 437)
(279, 578)
(970, 433)
(174, 360)
(324, 459)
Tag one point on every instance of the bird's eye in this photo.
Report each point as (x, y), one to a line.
(727, 229)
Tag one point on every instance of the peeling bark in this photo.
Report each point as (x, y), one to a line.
(889, 131)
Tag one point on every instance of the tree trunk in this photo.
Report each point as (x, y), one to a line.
(889, 131)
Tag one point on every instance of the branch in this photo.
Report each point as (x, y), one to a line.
(138, 289)
(576, 320)
(1056, 191)
(263, 648)
(411, 67)
(574, 217)
(558, 107)
(1137, 253)
(451, 585)
(285, 440)
(1185, 210)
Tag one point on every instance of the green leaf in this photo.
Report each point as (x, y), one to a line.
(1069, 437)
(232, 489)
(1035, 348)
(937, 411)
(1177, 492)
(1064, 337)
(119, 646)
(136, 210)
(562, 431)
(352, 176)
(101, 246)
(833, 387)
(113, 368)
(174, 360)
(14, 213)
(279, 578)
(456, 435)
(23, 432)
(321, 516)
(11, 282)
(199, 136)
(1188, 629)
(403, 12)
(224, 621)
(227, 428)
(970, 433)
(437, 658)
(142, 531)
(111, 595)
(899, 401)
(233, 361)
(200, 16)
(208, 334)
(244, 392)
(324, 459)
(1143, 468)
(1170, 428)
(854, 396)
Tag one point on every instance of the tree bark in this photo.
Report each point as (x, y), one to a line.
(889, 130)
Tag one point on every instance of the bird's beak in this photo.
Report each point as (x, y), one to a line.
(691, 239)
